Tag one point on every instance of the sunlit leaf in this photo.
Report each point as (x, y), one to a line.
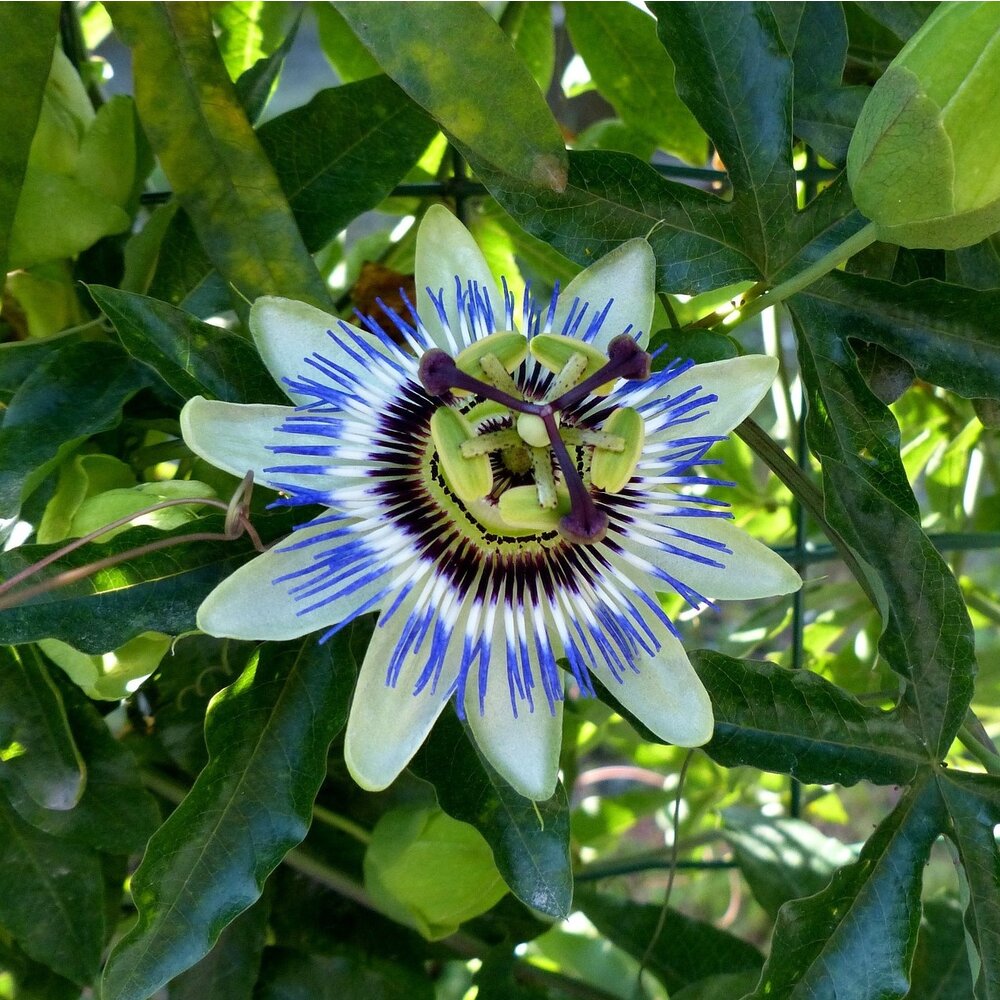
(438, 53)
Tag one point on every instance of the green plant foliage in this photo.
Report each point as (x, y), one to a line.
(178, 818)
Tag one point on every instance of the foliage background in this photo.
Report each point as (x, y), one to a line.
(833, 840)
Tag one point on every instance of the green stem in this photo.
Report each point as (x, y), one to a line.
(986, 757)
(338, 822)
(804, 490)
(460, 942)
(863, 238)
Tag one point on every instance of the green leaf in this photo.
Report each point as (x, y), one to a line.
(927, 637)
(29, 35)
(34, 981)
(190, 356)
(155, 592)
(611, 197)
(441, 54)
(268, 735)
(530, 848)
(349, 58)
(256, 83)
(20, 358)
(349, 972)
(946, 332)
(343, 153)
(249, 31)
(529, 27)
(686, 950)
(795, 722)
(901, 18)
(825, 113)
(115, 813)
(210, 154)
(735, 76)
(72, 395)
(231, 968)
(39, 761)
(51, 897)
(856, 937)
(973, 803)
(632, 70)
(336, 157)
(940, 962)
(781, 858)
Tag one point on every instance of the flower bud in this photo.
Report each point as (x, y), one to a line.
(922, 162)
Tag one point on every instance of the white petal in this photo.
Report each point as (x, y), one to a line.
(740, 384)
(666, 696)
(627, 275)
(235, 437)
(249, 605)
(750, 571)
(287, 332)
(387, 725)
(523, 750)
(445, 248)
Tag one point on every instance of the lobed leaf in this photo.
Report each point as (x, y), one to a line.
(734, 74)
(973, 804)
(268, 735)
(927, 637)
(856, 937)
(946, 332)
(795, 722)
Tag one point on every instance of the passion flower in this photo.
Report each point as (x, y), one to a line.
(509, 485)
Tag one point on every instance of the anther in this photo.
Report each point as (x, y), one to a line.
(626, 359)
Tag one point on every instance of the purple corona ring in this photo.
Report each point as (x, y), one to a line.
(509, 485)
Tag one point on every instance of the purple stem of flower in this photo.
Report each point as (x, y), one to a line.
(438, 373)
(626, 359)
(584, 523)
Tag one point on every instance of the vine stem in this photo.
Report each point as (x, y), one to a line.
(862, 239)
(804, 490)
(462, 943)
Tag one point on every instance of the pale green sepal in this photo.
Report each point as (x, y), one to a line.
(750, 569)
(446, 249)
(287, 332)
(235, 437)
(470, 478)
(524, 750)
(666, 695)
(740, 384)
(249, 605)
(520, 508)
(510, 349)
(387, 725)
(555, 352)
(628, 276)
(611, 470)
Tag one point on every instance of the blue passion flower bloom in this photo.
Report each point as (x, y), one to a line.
(509, 485)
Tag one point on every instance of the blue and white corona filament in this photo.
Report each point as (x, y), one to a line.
(509, 487)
